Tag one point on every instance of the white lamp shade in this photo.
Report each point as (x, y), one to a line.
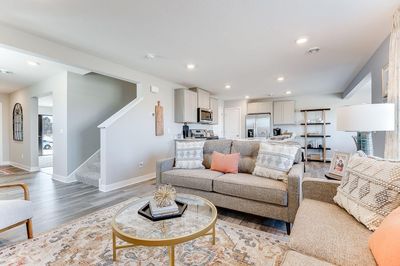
(365, 117)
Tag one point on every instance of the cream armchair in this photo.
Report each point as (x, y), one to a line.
(17, 211)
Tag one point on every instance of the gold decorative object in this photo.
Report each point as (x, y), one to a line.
(164, 195)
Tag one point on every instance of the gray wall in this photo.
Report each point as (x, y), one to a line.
(374, 66)
(92, 99)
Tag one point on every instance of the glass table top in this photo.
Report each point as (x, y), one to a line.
(200, 213)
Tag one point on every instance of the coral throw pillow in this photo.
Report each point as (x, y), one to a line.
(225, 163)
(385, 241)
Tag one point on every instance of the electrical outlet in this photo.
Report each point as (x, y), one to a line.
(22, 156)
(141, 164)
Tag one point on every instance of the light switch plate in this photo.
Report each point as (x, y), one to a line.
(154, 89)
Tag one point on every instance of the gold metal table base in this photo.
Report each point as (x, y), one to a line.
(171, 248)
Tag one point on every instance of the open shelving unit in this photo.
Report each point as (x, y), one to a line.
(308, 135)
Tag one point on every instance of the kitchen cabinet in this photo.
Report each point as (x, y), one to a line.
(214, 109)
(259, 108)
(284, 113)
(203, 98)
(185, 106)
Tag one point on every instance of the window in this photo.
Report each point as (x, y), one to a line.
(18, 130)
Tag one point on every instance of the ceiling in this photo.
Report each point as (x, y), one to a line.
(247, 44)
(23, 74)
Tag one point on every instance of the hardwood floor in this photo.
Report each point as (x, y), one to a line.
(56, 203)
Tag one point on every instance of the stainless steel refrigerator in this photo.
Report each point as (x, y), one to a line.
(258, 126)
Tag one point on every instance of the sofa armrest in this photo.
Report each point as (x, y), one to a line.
(295, 177)
(162, 166)
(319, 189)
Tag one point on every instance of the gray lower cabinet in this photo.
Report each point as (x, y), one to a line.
(185, 106)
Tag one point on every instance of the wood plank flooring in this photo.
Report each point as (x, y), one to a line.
(56, 203)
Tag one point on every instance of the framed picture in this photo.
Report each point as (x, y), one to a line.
(339, 163)
(385, 80)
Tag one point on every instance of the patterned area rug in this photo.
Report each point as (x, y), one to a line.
(87, 241)
(6, 170)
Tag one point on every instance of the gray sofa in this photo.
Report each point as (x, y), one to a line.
(243, 191)
(325, 234)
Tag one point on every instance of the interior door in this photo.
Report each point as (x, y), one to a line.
(232, 123)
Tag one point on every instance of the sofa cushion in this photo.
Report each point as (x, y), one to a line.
(329, 233)
(221, 146)
(298, 259)
(248, 154)
(370, 189)
(189, 154)
(275, 159)
(191, 178)
(252, 187)
(14, 211)
(225, 163)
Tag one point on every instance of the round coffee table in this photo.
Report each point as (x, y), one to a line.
(198, 220)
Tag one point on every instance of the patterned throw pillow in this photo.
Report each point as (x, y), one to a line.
(370, 189)
(189, 155)
(274, 160)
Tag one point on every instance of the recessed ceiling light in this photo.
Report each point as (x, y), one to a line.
(288, 92)
(302, 40)
(280, 79)
(150, 56)
(32, 63)
(313, 50)
(5, 71)
(228, 86)
(190, 66)
(247, 97)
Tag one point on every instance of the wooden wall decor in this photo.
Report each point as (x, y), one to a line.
(18, 123)
(159, 119)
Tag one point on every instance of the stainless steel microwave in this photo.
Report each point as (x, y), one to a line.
(204, 116)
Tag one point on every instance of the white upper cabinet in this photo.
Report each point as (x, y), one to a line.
(185, 106)
(284, 113)
(259, 108)
(214, 108)
(203, 98)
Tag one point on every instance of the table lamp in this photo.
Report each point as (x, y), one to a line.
(365, 119)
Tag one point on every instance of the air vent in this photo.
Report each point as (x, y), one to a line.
(313, 50)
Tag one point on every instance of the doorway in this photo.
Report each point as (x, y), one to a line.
(45, 134)
(232, 123)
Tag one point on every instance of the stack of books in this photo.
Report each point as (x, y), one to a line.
(163, 211)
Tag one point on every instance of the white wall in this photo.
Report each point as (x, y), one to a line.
(92, 98)
(5, 123)
(25, 153)
(45, 110)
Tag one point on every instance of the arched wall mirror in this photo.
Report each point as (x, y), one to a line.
(18, 120)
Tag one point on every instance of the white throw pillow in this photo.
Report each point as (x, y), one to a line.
(189, 155)
(274, 160)
(370, 189)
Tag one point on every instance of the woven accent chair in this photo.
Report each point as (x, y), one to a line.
(16, 212)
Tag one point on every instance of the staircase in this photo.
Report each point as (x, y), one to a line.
(89, 171)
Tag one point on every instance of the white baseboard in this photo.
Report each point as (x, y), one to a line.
(5, 163)
(25, 167)
(127, 182)
(64, 179)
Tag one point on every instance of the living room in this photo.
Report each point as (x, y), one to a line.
(250, 139)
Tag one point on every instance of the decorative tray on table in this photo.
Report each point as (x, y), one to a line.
(145, 211)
